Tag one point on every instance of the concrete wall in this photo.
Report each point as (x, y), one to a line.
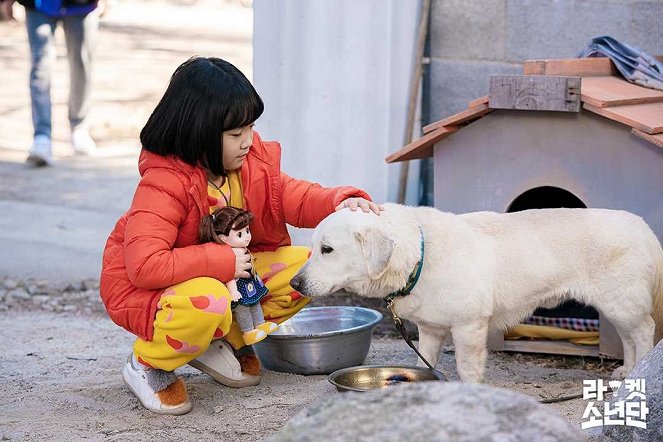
(472, 39)
(334, 75)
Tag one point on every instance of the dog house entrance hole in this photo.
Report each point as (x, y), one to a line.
(548, 197)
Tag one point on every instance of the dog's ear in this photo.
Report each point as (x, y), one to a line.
(377, 248)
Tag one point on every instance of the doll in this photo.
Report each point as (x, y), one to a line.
(230, 225)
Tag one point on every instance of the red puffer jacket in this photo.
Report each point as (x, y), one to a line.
(154, 245)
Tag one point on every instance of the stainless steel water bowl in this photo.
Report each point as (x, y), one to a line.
(319, 340)
(371, 377)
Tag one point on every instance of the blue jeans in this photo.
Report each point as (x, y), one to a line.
(80, 35)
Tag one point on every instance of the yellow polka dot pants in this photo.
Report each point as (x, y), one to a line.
(195, 312)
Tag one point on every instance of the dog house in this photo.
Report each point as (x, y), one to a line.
(567, 133)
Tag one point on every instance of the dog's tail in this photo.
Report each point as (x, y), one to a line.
(658, 299)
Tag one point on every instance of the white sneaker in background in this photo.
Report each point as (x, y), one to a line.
(40, 153)
(82, 142)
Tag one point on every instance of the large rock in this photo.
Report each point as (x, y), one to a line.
(650, 368)
(428, 411)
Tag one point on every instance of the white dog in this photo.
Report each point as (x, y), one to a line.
(487, 270)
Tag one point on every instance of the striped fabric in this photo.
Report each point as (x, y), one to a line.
(578, 324)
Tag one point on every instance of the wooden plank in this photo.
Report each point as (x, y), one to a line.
(535, 92)
(581, 67)
(553, 347)
(646, 117)
(421, 148)
(479, 101)
(655, 139)
(534, 67)
(613, 91)
(461, 117)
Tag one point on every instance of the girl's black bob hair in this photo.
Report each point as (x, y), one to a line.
(205, 97)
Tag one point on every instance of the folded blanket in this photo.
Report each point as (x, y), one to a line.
(552, 333)
(633, 63)
(578, 324)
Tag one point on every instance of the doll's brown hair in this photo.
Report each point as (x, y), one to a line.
(221, 222)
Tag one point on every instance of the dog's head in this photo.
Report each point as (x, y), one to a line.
(350, 249)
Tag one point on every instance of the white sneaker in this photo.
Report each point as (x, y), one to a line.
(82, 142)
(40, 153)
(136, 379)
(220, 362)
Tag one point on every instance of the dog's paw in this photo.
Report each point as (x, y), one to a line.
(619, 373)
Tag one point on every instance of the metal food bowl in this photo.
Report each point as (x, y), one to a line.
(319, 340)
(371, 377)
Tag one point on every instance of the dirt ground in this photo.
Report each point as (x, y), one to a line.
(62, 378)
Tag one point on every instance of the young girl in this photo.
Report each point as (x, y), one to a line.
(200, 153)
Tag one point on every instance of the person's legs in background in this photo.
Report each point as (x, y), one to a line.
(41, 35)
(80, 34)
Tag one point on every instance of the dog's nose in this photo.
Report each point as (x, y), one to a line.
(296, 282)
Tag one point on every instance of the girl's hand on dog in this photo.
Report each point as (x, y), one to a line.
(242, 262)
(361, 203)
